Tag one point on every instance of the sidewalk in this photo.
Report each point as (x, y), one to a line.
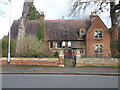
(12, 69)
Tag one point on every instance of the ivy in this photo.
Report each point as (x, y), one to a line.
(40, 34)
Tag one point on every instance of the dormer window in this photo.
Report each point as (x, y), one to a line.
(82, 32)
(98, 34)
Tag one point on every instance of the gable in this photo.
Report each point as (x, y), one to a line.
(98, 24)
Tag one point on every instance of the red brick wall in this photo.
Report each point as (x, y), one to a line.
(3, 62)
(91, 41)
(32, 61)
(28, 62)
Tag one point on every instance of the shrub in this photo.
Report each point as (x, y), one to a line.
(0, 48)
(5, 47)
(30, 46)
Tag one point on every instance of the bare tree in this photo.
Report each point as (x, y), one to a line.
(101, 6)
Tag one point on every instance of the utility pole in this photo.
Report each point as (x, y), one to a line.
(9, 33)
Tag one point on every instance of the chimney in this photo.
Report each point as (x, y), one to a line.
(42, 26)
(42, 17)
(93, 16)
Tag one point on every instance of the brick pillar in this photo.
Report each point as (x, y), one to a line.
(66, 44)
(61, 58)
(78, 56)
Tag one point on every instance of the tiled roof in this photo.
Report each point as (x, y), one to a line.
(65, 29)
(55, 29)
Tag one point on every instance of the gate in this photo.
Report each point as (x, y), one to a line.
(69, 57)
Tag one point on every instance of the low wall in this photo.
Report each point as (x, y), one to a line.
(31, 61)
(60, 61)
(97, 62)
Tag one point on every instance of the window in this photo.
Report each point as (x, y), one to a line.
(69, 44)
(98, 49)
(51, 44)
(58, 44)
(98, 34)
(83, 32)
(81, 51)
(63, 44)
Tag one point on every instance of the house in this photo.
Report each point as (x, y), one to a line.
(90, 36)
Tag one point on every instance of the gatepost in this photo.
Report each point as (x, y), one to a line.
(78, 56)
(61, 58)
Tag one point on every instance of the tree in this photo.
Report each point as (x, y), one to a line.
(119, 42)
(0, 47)
(5, 47)
(101, 6)
(33, 14)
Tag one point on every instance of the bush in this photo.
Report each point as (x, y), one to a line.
(30, 46)
(0, 48)
(5, 47)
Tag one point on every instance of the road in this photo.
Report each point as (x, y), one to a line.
(58, 81)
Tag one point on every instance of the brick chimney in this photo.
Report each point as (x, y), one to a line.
(42, 23)
(93, 16)
(42, 17)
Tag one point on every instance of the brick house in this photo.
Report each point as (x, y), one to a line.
(89, 37)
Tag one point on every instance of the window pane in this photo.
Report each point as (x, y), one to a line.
(82, 32)
(101, 48)
(60, 44)
(96, 34)
(100, 34)
(51, 44)
(56, 44)
(96, 49)
(63, 44)
(69, 44)
(81, 51)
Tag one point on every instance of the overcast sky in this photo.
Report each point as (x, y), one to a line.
(53, 9)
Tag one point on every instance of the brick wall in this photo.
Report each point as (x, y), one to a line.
(32, 61)
(3, 61)
(91, 41)
(97, 62)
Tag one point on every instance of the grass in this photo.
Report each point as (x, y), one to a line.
(112, 67)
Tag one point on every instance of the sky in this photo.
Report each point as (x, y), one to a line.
(53, 9)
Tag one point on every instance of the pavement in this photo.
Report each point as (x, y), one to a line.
(17, 69)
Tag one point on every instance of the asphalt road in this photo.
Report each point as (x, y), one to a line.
(58, 81)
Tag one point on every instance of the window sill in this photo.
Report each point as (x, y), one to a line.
(98, 38)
